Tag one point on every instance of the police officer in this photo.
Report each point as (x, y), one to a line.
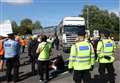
(81, 59)
(105, 51)
(43, 49)
(11, 48)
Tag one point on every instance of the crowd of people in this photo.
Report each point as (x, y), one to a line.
(83, 55)
(39, 51)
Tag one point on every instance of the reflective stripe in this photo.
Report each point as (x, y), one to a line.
(84, 48)
(108, 55)
(98, 50)
(93, 57)
(72, 56)
(79, 56)
(43, 59)
(83, 57)
(79, 60)
(107, 52)
(108, 45)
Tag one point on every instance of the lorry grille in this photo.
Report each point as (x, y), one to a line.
(71, 39)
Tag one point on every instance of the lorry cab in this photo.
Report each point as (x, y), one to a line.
(68, 30)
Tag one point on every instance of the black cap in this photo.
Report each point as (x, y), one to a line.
(10, 35)
(106, 33)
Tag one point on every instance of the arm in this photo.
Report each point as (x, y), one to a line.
(100, 49)
(38, 49)
(92, 55)
(72, 57)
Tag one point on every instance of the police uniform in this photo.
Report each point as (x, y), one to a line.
(43, 60)
(105, 51)
(81, 59)
(11, 48)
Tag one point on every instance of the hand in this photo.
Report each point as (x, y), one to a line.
(91, 67)
(107, 57)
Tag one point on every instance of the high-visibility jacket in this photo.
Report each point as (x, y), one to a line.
(82, 56)
(1, 48)
(45, 50)
(106, 47)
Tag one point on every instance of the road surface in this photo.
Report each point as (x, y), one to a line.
(65, 77)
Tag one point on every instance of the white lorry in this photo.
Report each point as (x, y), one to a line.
(68, 30)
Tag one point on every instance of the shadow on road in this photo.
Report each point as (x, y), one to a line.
(104, 79)
(3, 78)
(26, 76)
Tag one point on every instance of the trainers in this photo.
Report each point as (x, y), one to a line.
(40, 80)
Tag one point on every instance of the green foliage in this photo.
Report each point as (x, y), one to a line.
(37, 25)
(26, 26)
(101, 19)
(14, 26)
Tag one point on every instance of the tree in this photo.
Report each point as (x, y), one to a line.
(101, 19)
(27, 25)
(14, 26)
(37, 25)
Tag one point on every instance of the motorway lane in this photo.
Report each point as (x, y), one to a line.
(26, 77)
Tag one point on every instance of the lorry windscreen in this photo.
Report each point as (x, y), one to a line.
(74, 29)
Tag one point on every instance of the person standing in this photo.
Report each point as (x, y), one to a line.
(81, 60)
(23, 43)
(1, 53)
(56, 42)
(44, 49)
(105, 52)
(32, 48)
(11, 47)
(29, 48)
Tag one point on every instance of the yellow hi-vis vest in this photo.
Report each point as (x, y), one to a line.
(44, 54)
(106, 47)
(81, 56)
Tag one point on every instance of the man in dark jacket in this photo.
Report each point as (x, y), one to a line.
(56, 42)
(32, 49)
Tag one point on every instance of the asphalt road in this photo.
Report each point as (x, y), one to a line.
(65, 77)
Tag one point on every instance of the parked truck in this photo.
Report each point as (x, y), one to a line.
(68, 30)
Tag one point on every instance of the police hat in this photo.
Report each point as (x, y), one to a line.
(106, 33)
(10, 35)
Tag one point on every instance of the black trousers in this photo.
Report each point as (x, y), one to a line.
(82, 75)
(23, 49)
(110, 70)
(57, 46)
(43, 69)
(33, 62)
(12, 63)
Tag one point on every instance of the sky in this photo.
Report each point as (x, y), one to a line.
(49, 12)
